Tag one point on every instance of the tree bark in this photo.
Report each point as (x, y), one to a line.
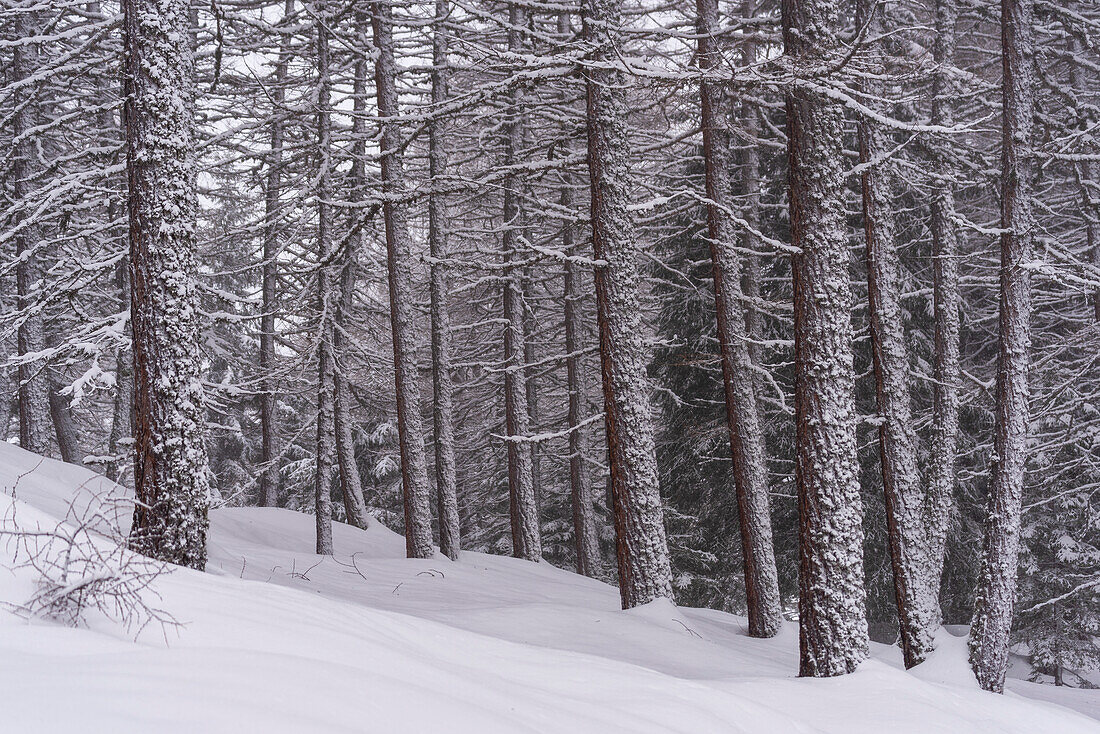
(351, 485)
(269, 476)
(33, 397)
(327, 295)
(750, 189)
(832, 601)
(946, 305)
(450, 540)
(996, 595)
(68, 443)
(750, 469)
(414, 469)
(641, 547)
(522, 500)
(918, 615)
(171, 475)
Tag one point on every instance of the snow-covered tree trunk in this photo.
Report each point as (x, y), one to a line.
(750, 469)
(750, 192)
(946, 304)
(351, 486)
(33, 396)
(586, 538)
(996, 594)
(68, 443)
(523, 502)
(273, 187)
(410, 428)
(641, 547)
(327, 295)
(918, 615)
(450, 540)
(171, 476)
(832, 601)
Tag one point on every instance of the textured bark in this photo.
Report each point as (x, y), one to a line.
(522, 500)
(641, 547)
(750, 469)
(171, 475)
(269, 476)
(946, 304)
(750, 191)
(832, 601)
(326, 295)
(996, 596)
(414, 468)
(914, 595)
(33, 398)
(351, 485)
(68, 443)
(450, 540)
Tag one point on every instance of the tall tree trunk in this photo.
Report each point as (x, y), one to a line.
(523, 503)
(34, 406)
(171, 475)
(582, 497)
(414, 469)
(351, 485)
(327, 295)
(996, 596)
(946, 305)
(269, 477)
(832, 601)
(918, 615)
(750, 190)
(641, 547)
(750, 469)
(450, 539)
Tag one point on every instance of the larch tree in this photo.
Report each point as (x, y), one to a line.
(327, 283)
(522, 499)
(171, 475)
(34, 387)
(996, 594)
(446, 488)
(750, 469)
(906, 522)
(831, 607)
(641, 546)
(416, 492)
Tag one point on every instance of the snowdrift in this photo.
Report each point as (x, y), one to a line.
(276, 639)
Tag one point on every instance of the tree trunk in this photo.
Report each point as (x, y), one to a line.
(327, 295)
(68, 443)
(996, 596)
(269, 476)
(34, 410)
(832, 601)
(750, 189)
(641, 546)
(946, 305)
(450, 539)
(171, 476)
(914, 595)
(750, 469)
(414, 469)
(351, 485)
(522, 501)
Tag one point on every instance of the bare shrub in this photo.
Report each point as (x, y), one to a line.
(81, 564)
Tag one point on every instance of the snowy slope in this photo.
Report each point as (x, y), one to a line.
(277, 639)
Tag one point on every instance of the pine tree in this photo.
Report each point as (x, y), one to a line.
(171, 475)
(641, 545)
(831, 608)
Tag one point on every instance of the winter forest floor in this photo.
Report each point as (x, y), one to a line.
(276, 639)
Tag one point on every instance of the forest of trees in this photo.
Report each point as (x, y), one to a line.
(790, 309)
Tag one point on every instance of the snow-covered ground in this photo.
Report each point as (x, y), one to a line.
(276, 639)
